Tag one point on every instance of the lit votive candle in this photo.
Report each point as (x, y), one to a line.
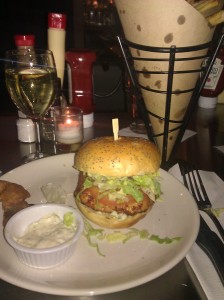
(69, 132)
(68, 128)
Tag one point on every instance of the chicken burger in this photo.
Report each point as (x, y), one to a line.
(118, 180)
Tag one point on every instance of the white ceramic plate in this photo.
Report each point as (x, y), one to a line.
(125, 265)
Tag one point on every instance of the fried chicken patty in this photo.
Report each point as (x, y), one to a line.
(12, 196)
(91, 197)
(97, 201)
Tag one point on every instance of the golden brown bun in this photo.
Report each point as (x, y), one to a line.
(108, 221)
(127, 156)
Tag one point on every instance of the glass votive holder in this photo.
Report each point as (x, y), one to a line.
(68, 123)
(47, 130)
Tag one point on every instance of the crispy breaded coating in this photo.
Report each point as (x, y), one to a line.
(12, 192)
(12, 196)
(3, 184)
(13, 210)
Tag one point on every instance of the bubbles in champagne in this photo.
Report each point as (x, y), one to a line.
(32, 90)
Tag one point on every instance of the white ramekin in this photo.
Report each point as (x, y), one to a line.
(47, 257)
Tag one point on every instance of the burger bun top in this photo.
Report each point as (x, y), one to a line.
(126, 156)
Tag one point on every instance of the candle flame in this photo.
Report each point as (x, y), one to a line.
(68, 121)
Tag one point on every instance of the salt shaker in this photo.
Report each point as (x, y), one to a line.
(25, 129)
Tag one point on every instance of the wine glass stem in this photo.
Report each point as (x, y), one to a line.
(37, 132)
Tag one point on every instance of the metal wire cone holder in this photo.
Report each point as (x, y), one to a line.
(203, 73)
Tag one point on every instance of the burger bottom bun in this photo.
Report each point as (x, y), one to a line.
(107, 220)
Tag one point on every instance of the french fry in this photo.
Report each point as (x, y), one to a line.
(216, 19)
(205, 5)
(210, 9)
(191, 1)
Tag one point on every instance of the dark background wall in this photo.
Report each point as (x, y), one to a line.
(28, 17)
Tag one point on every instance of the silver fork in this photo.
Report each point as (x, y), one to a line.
(193, 182)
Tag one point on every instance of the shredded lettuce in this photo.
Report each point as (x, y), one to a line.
(88, 183)
(96, 232)
(90, 232)
(69, 219)
(118, 236)
(121, 186)
(217, 211)
(94, 235)
(165, 240)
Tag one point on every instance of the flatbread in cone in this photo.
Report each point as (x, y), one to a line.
(156, 102)
(161, 23)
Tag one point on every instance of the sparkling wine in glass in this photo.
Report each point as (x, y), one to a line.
(31, 80)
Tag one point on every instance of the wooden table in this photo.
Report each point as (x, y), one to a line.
(178, 283)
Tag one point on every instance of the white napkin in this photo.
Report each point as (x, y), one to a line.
(198, 260)
(128, 132)
(220, 148)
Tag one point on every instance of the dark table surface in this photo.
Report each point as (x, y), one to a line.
(178, 283)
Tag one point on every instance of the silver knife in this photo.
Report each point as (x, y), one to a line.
(212, 245)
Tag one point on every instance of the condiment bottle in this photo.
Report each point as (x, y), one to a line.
(80, 63)
(25, 126)
(60, 99)
(214, 84)
(56, 41)
(24, 42)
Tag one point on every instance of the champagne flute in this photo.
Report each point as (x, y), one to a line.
(31, 80)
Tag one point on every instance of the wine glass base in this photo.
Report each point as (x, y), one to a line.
(138, 127)
(34, 156)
